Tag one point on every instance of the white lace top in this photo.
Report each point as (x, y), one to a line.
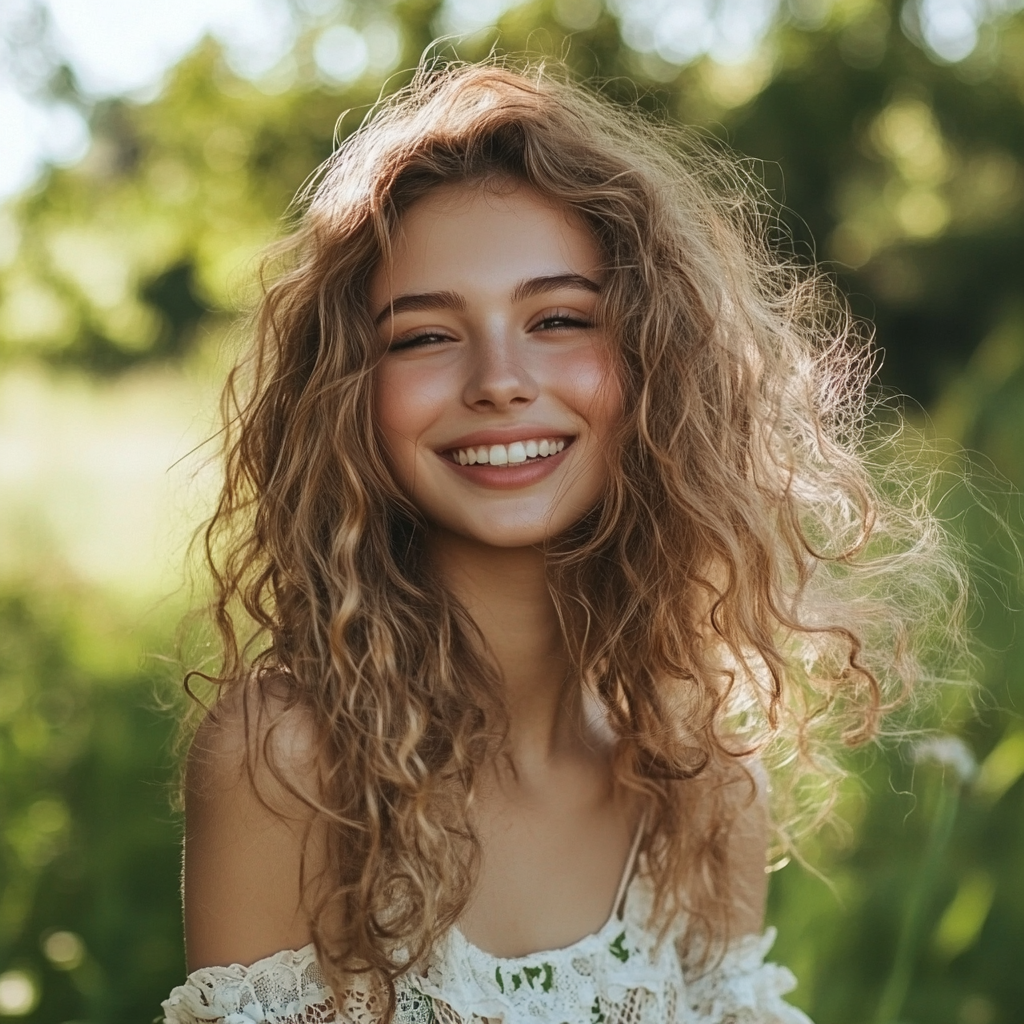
(617, 975)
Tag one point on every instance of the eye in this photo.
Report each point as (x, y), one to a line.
(562, 320)
(423, 340)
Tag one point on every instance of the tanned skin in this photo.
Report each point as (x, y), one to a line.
(495, 331)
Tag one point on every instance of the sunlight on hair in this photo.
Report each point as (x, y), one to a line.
(762, 579)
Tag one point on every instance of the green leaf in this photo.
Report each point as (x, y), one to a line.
(617, 949)
(549, 978)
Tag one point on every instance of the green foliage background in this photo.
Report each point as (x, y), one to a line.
(903, 174)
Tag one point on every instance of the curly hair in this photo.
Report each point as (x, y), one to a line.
(757, 579)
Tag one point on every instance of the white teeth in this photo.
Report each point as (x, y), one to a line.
(513, 454)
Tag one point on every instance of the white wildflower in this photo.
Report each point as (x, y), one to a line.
(949, 752)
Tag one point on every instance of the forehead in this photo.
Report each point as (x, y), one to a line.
(484, 236)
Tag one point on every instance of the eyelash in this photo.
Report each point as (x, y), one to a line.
(554, 323)
(417, 340)
(565, 321)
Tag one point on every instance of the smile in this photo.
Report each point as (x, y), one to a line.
(513, 454)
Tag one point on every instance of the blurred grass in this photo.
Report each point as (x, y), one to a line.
(89, 841)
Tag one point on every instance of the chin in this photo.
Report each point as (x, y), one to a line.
(515, 532)
(501, 535)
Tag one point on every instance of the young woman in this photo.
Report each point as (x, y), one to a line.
(547, 499)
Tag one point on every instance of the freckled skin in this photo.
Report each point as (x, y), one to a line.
(500, 361)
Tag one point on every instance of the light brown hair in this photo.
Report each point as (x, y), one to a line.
(745, 586)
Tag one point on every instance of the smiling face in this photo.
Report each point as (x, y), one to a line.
(496, 399)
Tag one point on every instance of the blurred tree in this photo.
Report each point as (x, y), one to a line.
(905, 171)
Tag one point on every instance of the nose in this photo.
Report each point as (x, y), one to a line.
(499, 378)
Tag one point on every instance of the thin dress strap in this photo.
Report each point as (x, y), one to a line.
(627, 874)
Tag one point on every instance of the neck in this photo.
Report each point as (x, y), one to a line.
(505, 591)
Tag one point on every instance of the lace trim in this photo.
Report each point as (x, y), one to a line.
(744, 989)
(586, 982)
(618, 975)
(286, 988)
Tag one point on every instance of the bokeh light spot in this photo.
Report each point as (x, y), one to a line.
(65, 950)
(341, 53)
(577, 15)
(923, 213)
(19, 993)
(383, 45)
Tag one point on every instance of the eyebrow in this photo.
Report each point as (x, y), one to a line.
(453, 300)
(422, 301)
(539, 285)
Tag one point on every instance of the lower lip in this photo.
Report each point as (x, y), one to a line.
(507, 478)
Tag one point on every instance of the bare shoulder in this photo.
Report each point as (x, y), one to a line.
(744, 792)
(251, 768)
(245, 733)
(748, 850)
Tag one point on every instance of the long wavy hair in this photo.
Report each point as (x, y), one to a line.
(757, 578)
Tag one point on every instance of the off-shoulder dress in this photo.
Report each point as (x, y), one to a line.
(620, 974)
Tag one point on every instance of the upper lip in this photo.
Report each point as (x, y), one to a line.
(505, 435)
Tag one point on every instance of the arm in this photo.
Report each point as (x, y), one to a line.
(246, 924)
(244, 837)
(740, 987)
(748, 855)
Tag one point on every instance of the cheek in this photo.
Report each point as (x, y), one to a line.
(407, 401)
(396, 421)
(594, 389)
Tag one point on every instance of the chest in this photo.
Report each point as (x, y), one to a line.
(551, 867)
(619, 973)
